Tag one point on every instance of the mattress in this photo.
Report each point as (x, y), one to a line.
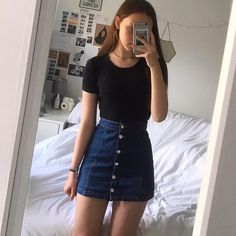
(179, 147)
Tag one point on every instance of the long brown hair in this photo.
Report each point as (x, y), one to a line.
(127, 8)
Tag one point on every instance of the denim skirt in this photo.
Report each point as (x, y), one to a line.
(118, 163)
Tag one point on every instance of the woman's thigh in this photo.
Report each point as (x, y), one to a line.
(89, 216)
(125, 218)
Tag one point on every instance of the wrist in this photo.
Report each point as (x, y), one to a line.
(73, 170)
(155, 67)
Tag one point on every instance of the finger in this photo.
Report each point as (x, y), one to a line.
(142, 40)
(141, 49)
(66, 190)
(140, 55)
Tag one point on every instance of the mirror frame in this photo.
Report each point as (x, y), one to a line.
(40, 42)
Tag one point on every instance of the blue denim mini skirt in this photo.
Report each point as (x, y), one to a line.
(118, 163)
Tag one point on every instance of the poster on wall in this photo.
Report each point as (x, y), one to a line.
(91, 4)
(101, 32)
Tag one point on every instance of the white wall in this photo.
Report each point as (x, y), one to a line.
(194, 71)
(14, 48)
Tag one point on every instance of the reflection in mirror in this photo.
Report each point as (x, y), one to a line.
(196, 34)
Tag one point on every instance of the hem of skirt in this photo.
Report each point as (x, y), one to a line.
(109, 197)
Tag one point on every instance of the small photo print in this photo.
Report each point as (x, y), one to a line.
(81, 42)
(51, 72)
(76, 70)
(63, 59)
(75, 15)
(57, 72)
(89, 30)
(52, 62)
(89, 39)
(66, 13)
(71, 29)
(78, 56)
(80, 31)
(53, 53)
(51, 69)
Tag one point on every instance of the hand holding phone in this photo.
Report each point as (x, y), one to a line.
(140, 29)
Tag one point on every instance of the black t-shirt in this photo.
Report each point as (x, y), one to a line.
(124, 94)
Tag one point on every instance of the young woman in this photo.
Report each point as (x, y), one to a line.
(117, 156)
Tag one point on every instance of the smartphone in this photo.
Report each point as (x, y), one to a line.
(141, 29)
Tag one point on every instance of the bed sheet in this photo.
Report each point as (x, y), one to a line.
(179, 148)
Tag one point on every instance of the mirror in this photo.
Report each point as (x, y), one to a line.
(179, 143)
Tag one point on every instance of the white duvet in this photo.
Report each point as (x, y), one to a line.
(179, 148)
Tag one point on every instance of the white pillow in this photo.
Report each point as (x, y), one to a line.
(76, 113)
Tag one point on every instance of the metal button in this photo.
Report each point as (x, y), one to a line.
(121, 136)
(116, 163)
(122, 126)
(113, 177)
(118, 151)
(112, 190)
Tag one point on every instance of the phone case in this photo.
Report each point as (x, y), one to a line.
(141, 29)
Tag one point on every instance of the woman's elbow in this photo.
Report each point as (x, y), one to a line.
(159, 117)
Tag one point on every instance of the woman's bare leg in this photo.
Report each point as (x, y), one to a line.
(125, 218)
(89, 216)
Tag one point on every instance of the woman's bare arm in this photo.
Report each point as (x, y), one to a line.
(87, 125)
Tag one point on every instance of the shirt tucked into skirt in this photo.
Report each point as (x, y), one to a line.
(118, 163)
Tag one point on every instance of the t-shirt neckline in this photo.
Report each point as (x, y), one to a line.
(130, 67)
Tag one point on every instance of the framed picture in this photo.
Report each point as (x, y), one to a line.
(91, 4)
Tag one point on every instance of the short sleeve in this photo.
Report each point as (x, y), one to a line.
(89, 83)
(164, 70)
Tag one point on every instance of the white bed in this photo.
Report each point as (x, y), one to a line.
(179, 148)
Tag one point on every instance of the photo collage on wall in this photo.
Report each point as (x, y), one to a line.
(79, 37)
(57, 64)
(69, 22)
